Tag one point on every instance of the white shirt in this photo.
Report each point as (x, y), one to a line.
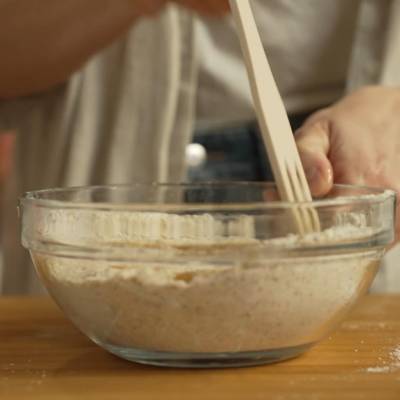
(309, 49)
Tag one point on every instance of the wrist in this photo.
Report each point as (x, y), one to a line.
(143, 8)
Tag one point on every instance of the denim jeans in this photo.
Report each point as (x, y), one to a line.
(235, 153)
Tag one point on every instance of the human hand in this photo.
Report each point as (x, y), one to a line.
(207, 7)
(355, 141)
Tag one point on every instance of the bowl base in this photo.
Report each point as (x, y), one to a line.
(206, 360)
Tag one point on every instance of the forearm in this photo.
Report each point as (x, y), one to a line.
(42, 42)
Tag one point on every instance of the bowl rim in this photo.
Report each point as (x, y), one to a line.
(373, 195)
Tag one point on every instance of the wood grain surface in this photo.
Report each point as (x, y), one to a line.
(42, 356)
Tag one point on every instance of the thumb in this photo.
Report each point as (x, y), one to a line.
(313, 142)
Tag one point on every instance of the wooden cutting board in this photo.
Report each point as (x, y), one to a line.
(42, 356)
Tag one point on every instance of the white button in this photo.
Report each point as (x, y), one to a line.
(196, 155)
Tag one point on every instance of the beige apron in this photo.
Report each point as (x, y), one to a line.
(90, 131)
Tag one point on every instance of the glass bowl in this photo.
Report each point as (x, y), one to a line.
(208, 275)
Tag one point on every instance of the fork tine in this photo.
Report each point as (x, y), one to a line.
(299, 196)
(315, 221)
(289, 190)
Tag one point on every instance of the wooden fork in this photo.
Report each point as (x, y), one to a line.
(273, 120)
